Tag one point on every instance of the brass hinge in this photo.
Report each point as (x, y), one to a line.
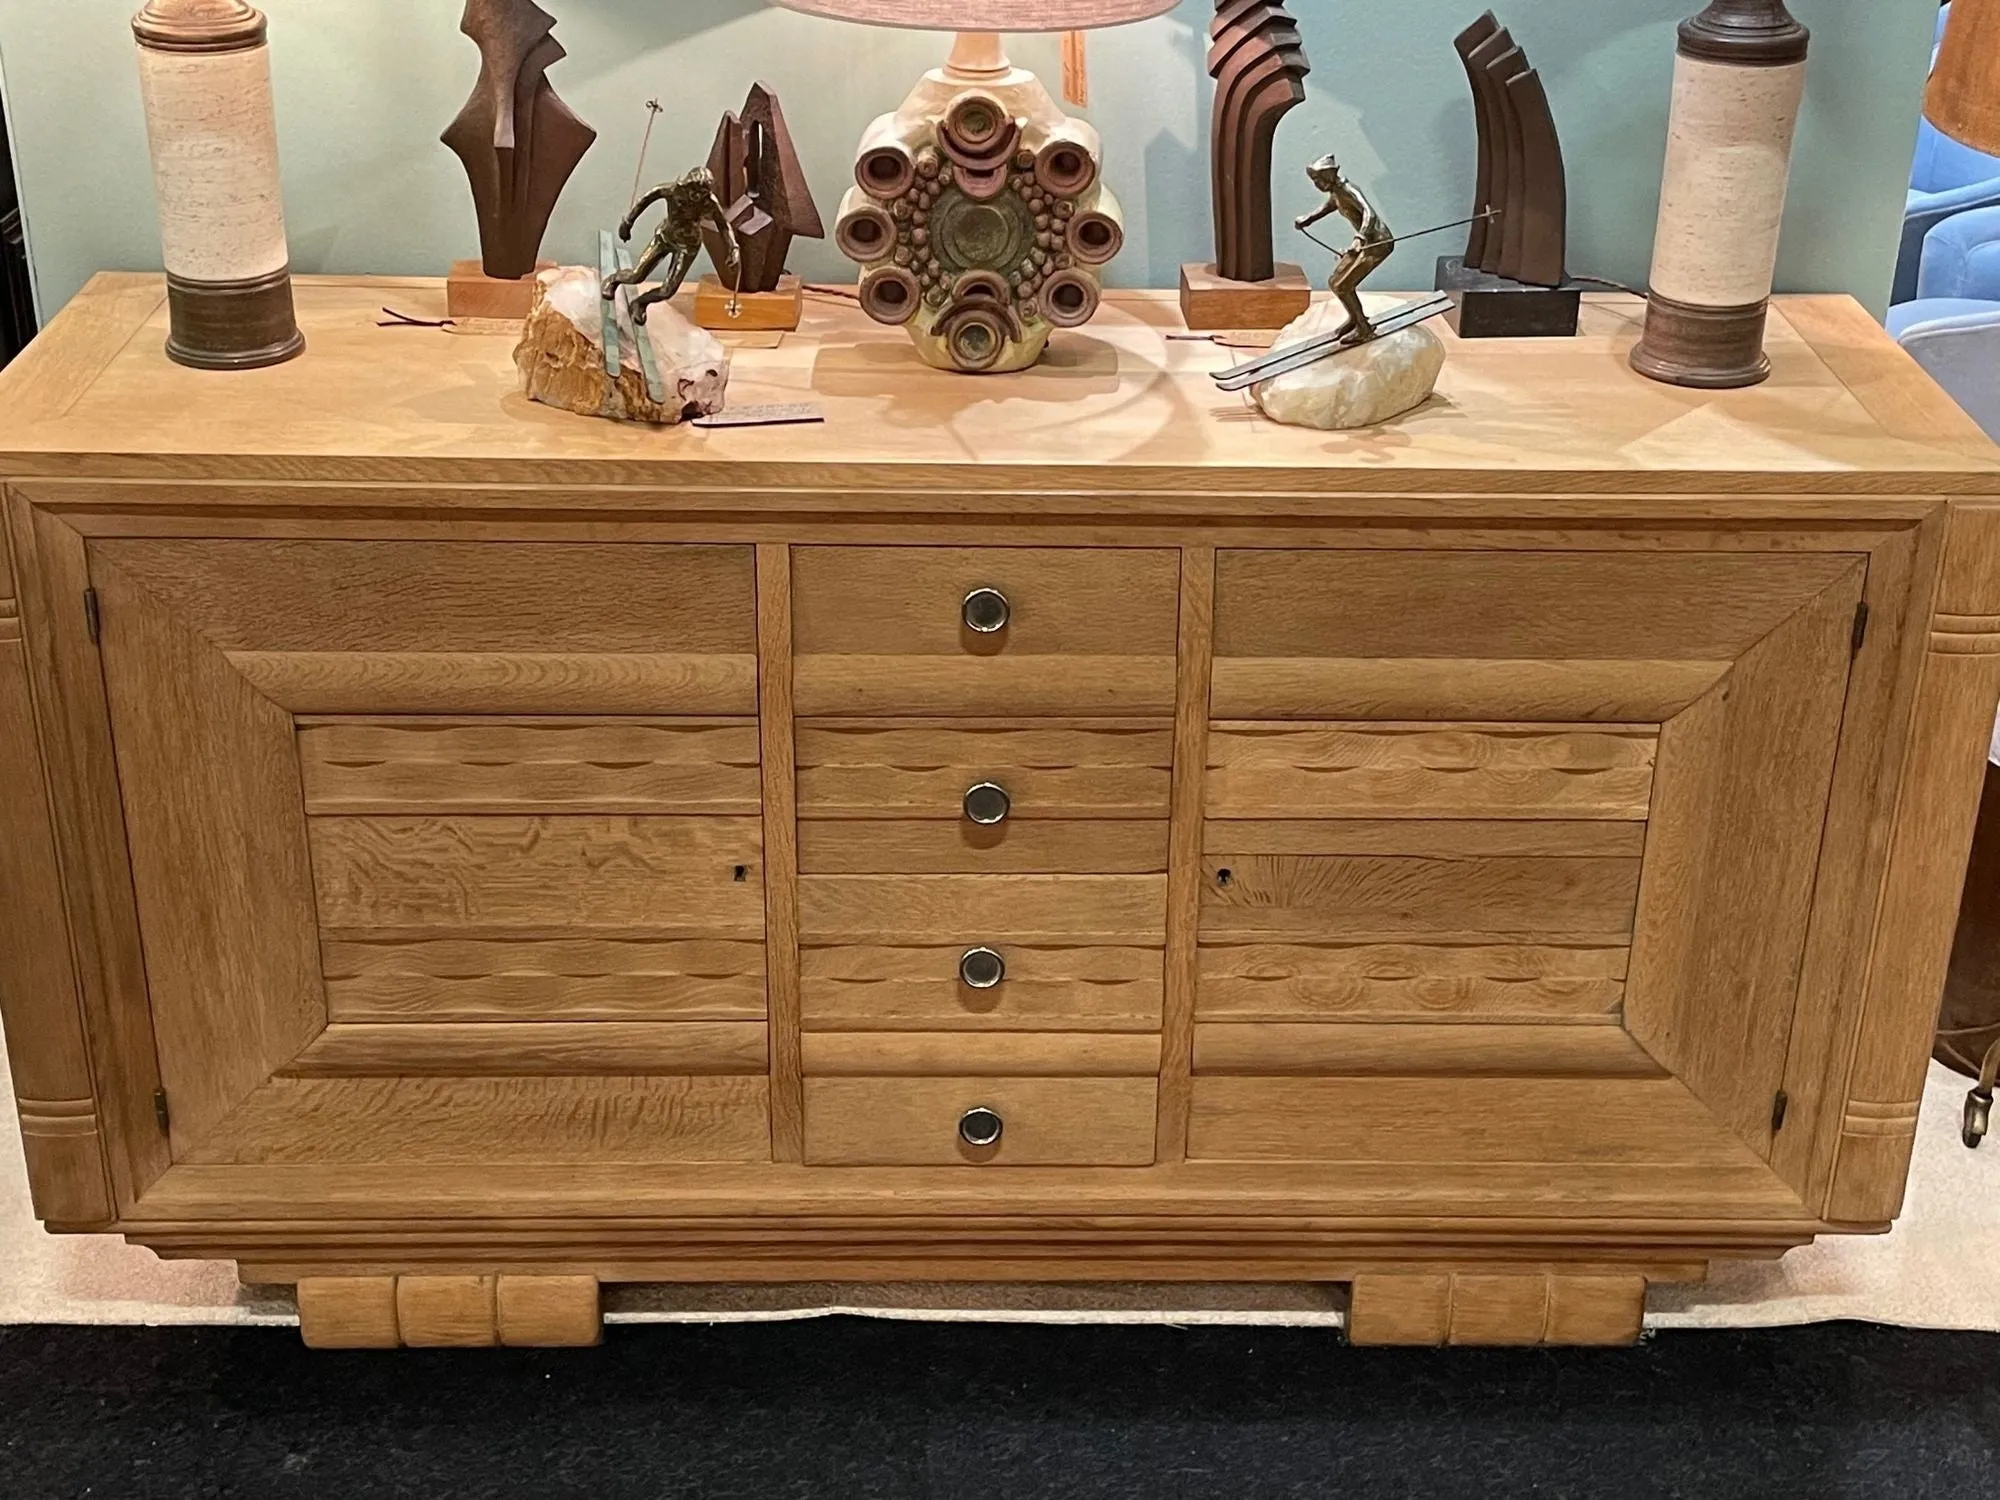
(93, 618)
(1780, 1107)
(1860, 629)
(160, 1110)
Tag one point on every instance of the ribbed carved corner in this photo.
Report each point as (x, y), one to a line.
(1258, 61)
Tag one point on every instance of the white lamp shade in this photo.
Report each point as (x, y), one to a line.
(986, 15)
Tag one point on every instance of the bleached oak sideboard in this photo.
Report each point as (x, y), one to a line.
(454, 854)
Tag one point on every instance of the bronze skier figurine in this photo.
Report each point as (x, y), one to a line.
(1374, 241)
(692, 206)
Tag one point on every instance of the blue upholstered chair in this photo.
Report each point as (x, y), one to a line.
(1946, 179)
(1952, 327)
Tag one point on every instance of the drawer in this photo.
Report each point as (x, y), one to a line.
(1504, 636)
(861, 987)
(897, 630)
(992, 909)
(860, 770)
(959, 1054)
(421, 627)
(1043, 1122)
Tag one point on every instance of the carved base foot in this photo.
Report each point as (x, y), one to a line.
(1496, 1308)
(449, 1312)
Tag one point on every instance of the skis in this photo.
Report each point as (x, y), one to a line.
(613, 258)
(1326, 345)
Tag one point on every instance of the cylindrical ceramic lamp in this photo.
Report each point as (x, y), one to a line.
(205, 70)
(1964, 97)
(979, 214)
(1738, 84)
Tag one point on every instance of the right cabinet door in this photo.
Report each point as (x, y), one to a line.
(1510, 857)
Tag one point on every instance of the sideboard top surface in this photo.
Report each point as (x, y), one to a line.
(1119, 407)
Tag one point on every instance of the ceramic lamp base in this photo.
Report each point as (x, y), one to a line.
(471, 294)
(756, 312)
(1210, 301)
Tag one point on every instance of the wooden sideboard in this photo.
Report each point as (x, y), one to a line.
(1035, 828)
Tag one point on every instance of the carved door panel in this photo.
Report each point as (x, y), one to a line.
(1511, 857)
(444, 853)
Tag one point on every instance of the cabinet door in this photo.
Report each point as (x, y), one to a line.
(444, 853)
(1510, 857)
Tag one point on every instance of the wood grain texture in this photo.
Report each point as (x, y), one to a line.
(1411, 981)
(1460, 688)
(1421, 1122)
(531, 766)
(447, 1312)
(1308, 897)
(1497, 1308)
(1422, 772)
(560, 1049)
(1184, 873)
(930, 846)
(914, 1121)
(1424, 838)
(466, 1122)
(548, 1312)
(967, 909)
(443, 627)
(1395, 1050)
(1937, 800)
(781, 841)
(880, 631)
(349, 1312)
(554, 979)
(872, 987)
(1005, 1054)
(856, 771)
(1731, 863)
(39, 998)
(209, 772)
(539, 876)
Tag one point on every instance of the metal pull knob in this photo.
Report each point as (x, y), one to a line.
(987, 611)
(988, 804)
(982, 969)
(980, 1127)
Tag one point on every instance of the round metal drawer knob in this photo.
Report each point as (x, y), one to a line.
(982, 969)
(988, 804)
(987, 611)
(980, 1127)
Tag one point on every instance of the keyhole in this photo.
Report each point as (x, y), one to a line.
(742, 873)
(1224, 877)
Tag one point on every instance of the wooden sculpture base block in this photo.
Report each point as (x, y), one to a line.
(1210, 302)
(1485, 306)
(758, 312)
(470, 293)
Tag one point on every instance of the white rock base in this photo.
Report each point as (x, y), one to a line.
(561, 356)
(1364, 387)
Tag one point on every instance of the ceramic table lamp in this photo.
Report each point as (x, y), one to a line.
(979, 214)
(1964, 97)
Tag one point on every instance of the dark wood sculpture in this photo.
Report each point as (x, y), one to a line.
(763, 189)
(1520, 230)
(1258, 61)
(519, 142)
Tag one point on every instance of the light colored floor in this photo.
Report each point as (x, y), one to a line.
(1940, 1268)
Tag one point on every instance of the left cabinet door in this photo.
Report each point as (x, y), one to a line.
(444, 852)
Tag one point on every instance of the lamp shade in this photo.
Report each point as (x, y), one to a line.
(1964, 97)
(986, 15)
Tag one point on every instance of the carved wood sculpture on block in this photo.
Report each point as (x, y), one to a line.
(1258, 61)
(767, 203)
(520, 144)
(1512, 281)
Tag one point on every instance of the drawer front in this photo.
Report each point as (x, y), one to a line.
(890, 630)
(959, 1054)
(864, 771)
(932, 846)
(993, 909)
(918, 1122)
(881, 987)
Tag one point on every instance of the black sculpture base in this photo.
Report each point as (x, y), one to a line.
(1485, 306)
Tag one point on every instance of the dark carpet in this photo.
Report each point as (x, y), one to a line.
(981, 1412)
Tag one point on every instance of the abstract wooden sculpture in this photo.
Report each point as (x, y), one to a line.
(519, 143)
(1258, 61)
(1512, 280)
(769, 204)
